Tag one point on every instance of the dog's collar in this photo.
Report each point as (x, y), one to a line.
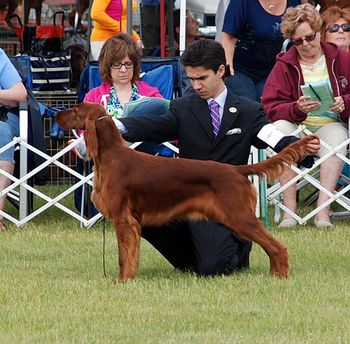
(103, 117)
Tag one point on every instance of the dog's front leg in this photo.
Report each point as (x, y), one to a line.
(128, 236)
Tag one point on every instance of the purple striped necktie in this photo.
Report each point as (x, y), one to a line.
(215, 116)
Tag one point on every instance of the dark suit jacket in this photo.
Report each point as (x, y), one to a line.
(188, 121)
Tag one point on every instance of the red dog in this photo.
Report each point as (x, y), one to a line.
(133, 189)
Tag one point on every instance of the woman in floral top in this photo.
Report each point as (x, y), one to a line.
(119, 65)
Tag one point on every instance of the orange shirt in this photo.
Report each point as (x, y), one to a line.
(110, 18)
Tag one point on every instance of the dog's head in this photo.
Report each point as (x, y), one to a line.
(79, 115)
(83, 116)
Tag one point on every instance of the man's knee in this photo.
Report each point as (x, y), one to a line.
(218, 267)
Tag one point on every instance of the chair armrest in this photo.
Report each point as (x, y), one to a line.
(23, 106)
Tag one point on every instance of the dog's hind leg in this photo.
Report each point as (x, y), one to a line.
(252, 229)
(128, 235)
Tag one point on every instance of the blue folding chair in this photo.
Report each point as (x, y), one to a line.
(25, 159)
(163, 73)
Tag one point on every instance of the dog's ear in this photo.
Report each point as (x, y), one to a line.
(90, 137)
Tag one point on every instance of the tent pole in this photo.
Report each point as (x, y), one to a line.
(182, 39)
(129, 16)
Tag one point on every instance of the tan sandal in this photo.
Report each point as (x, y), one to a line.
(288, 223)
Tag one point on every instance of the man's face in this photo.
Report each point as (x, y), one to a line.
(206, 83)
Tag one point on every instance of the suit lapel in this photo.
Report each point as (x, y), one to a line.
(202, 113)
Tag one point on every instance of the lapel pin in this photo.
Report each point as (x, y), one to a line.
(232, 109)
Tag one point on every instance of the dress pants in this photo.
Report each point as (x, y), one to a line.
(206, 248)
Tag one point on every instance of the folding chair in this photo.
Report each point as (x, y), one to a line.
(31, 132)
(309, 176)
(163, 73)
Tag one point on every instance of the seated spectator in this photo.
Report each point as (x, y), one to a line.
(192, 34)
(192, 30)
(150, 24)
(309, 60)
(12, 92)
(336, 26)
(252, 39)
(328, 3)
(119, 65)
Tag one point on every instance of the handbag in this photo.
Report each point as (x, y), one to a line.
(39, 39)
(51, 72)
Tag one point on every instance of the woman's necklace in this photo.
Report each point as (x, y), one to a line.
(271, 6)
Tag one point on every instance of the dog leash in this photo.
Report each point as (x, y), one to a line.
(104, 247)
(104, 231)
(103, 117)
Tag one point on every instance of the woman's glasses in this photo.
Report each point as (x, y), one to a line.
(119, 65)
(308, 38)
(335, 27)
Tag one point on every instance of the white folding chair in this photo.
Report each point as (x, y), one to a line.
(309, 176)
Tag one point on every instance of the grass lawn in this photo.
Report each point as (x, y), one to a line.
(52, 290)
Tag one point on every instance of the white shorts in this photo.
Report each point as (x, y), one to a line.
(332, 133)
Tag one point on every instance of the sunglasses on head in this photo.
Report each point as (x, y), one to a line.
(335, 27)
(308, 38)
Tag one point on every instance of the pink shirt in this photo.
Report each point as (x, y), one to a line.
(100, 94)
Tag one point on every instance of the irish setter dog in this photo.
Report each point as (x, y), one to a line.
(134, 189)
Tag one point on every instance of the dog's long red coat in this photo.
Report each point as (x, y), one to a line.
(134, 189)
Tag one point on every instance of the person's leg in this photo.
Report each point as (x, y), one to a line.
(4, 183)
(9, 128)
(217, 249)
(95, 49)
(290, 194)
(174, 242)
(242, 86)
(334, 134)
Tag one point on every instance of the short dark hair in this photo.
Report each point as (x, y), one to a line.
(114, 50)
(207, 53)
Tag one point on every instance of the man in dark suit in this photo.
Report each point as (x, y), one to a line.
(205, 248)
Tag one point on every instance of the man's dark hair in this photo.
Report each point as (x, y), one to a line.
(207, 53)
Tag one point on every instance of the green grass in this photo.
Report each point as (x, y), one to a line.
(52, 290)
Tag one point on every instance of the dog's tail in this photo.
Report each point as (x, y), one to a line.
(273, 167)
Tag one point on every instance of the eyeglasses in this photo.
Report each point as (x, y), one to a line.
(119, 65)
(335, 27)
(308, 38)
